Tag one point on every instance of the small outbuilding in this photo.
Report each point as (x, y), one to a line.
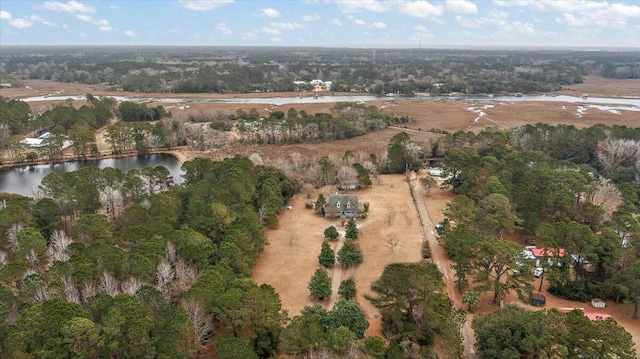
(597, 303)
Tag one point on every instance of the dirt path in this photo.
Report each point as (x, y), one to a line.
(441, 261)
(337, 275)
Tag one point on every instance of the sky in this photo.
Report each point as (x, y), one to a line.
(330, 23)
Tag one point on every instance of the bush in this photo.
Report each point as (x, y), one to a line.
(578, 292)
(426, 250)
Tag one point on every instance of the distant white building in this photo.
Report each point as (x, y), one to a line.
(319, 85)
(35, 142)
(41, 141)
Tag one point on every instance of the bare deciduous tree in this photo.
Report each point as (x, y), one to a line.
(170, 254)
(202, 322)
(58, 244)
(256, 159)
(71, 292)
(262, 213)
(347, 176)
(164, 277)
(131, 285)
(605, 194)
(12, 244)
(617, 151)
(3, 258)
(32, 258)
(393, 241)
(41, 294)
(88, 291)
(109, 284)
(185, 276)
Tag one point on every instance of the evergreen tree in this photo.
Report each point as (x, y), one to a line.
(320, 285)
(352, 230)
(327, 257)
(347, 289)
(350, 255)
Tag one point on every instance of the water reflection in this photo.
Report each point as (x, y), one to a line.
(26, 179)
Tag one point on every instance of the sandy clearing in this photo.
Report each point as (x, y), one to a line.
(291, 257)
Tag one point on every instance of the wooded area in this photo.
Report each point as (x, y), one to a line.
(379, 71)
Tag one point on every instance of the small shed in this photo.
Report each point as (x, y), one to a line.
(597, 303)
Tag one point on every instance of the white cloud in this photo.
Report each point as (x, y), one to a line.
(461, 6)
(268, 12)
(35, 18)
(499, 21)
(102, 24)
(130, 33)
(336, 22)
(202, 5)
(70, 6)
(271, 31)
(379, 25)
(5, 15)
(360, 22)
(420, 32)
(65, 26)
(353, 6)
(224, 28)
(285, 25)
(605, 15)
(20, 23)
(422, 9)
(310, 18)
(85, 18)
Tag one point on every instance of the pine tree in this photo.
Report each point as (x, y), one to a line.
(352, 230)
(320, 285)
(350, 255)
(327, 257)
(347, 289)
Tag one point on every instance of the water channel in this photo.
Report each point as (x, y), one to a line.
(359, 98)
(24, 180)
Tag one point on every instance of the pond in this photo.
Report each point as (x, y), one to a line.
(24, 180)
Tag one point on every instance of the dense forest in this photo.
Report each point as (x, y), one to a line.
(239, 70)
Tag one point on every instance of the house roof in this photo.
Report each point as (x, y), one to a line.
(547, 252)
(343, 199)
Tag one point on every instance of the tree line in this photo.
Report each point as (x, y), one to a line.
(240, 70)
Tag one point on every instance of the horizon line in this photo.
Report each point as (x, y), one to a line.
(394, 47)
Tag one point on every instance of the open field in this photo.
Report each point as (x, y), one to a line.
(291, 258)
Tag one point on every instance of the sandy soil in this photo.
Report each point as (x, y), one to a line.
(294, 247)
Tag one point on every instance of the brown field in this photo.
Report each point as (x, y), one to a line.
(291, 257)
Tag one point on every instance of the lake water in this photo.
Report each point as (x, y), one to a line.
(357, 98)
(24, 180)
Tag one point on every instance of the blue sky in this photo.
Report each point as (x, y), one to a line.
(335, 23)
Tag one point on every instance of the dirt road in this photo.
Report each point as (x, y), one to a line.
(439, 259)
